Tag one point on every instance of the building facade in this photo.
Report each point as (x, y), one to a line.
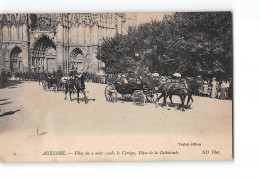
(48, 41)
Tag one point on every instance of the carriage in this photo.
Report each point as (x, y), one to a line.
(52, 83)
(49, 83)
(141, 88)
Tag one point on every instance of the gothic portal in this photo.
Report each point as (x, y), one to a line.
(48, 41)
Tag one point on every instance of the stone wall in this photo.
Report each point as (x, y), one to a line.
(67, 31)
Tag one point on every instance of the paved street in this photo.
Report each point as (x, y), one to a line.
(31, 116)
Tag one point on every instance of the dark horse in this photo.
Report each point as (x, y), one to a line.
(76, 85)
(180, 87)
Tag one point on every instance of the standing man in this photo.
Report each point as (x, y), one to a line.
(54, 73)
(3, 77)
(3, 73)
(227, 85)
(59, 75)
(230, 91)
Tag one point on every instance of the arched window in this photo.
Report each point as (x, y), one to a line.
(16, 59)
(5, 34)
(14, 34)
(44, 54)
(77, 59)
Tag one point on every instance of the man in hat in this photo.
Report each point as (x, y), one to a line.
(118, 79)
(3, 77)
(177, 75)
(59, 75)
(3, 73)
(174, 78)
(54, 74)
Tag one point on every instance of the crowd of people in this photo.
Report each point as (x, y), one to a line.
(38, 75)
(220, 89)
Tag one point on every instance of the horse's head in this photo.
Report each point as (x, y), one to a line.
(82, 76)
(193, 84)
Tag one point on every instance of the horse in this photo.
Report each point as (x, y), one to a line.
(181, 88)
(76, 84)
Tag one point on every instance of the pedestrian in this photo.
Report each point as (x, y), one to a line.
(227, 85)
(230, 90)
(59, 75)
(205, 88)
(54, 73)
(214, 88)
(222, 90)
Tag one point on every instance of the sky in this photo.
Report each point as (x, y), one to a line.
(139, 18)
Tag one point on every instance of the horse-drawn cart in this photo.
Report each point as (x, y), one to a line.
(48, 83)
(52, 83)
(140, 88)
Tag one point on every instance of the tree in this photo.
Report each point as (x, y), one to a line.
(196, 43)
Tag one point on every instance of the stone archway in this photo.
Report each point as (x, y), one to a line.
(16, 60)
(77, 59)
(44, 54)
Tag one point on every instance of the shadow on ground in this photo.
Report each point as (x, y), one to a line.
(43, 133)
(4, 99)
(10, 102)
(174, 106)
(11, 84)
(9, 113)
(83, 99)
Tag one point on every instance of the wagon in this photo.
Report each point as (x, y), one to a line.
(49, 83)
(141, 89)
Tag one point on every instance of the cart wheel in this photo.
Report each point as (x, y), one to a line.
(111, 93)
(138, 97)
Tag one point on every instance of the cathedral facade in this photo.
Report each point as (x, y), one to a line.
(48, 41)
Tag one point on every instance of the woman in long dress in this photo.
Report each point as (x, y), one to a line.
(222, 90)
(214, 88)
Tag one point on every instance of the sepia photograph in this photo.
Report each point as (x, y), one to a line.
(139, 86)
